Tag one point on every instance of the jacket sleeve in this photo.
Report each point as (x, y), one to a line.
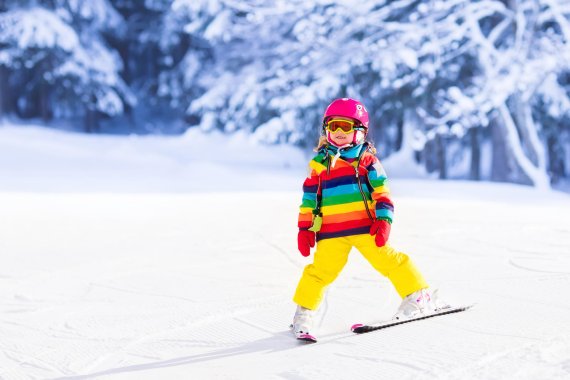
(380, 192)
(309, 202)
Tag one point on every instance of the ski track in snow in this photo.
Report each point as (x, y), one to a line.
(160, 286)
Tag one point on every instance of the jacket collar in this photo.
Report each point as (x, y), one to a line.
(349, 152)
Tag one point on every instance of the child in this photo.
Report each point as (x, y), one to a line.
(346, 204)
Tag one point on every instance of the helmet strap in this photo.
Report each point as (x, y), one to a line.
(359, 137)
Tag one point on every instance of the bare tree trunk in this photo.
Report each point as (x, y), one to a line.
(556, 161)
(400, 133)
(44, 91)
(45, 111)
(441, 152)
(475, 167)
(500, 168)
(522, 169)
(3, 91)
(533, 146)
(91, 121)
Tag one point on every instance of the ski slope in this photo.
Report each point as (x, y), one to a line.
(156, 268)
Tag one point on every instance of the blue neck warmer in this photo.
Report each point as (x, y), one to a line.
(352, 152)
(349, 152)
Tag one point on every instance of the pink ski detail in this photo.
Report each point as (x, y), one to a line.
(307, 337)
(356, 326)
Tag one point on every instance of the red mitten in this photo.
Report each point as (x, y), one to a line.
(380, 228)
(305, 240)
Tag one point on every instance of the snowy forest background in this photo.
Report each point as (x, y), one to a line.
(468, 89)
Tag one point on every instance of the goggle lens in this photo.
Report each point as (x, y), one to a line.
(344, 125)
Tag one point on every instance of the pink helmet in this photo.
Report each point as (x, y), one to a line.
(347, 107)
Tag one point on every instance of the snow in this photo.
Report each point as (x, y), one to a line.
(36, 28)
(54, 161)
(100, 10)
(175, 257)
(217, 29)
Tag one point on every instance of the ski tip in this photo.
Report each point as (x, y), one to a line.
(356, 327)
(307, 338)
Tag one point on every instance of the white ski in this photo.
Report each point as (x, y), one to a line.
(363, 328)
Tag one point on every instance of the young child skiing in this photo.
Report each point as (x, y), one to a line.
(346, 203)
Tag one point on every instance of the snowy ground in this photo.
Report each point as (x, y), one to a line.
(126, 258)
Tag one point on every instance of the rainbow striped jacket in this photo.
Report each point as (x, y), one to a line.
(350, 199)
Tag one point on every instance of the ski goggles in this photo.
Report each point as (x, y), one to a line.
(345, 125)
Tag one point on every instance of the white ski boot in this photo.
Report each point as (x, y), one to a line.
(419, 304)
(303, 323)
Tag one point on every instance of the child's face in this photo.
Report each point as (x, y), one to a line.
(340, 138)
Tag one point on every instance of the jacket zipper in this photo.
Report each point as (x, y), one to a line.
(362, 191)
(359, 185)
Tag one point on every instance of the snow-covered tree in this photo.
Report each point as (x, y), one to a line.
(144, 62)
(445, 80)
(34, 41)
(62, 67)
(516, 52)
(450, 68)
(199, 42)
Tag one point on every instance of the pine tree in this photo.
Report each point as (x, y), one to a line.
(442, 79)
(58, 63)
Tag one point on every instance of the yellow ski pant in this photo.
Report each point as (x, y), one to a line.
(331, 256)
